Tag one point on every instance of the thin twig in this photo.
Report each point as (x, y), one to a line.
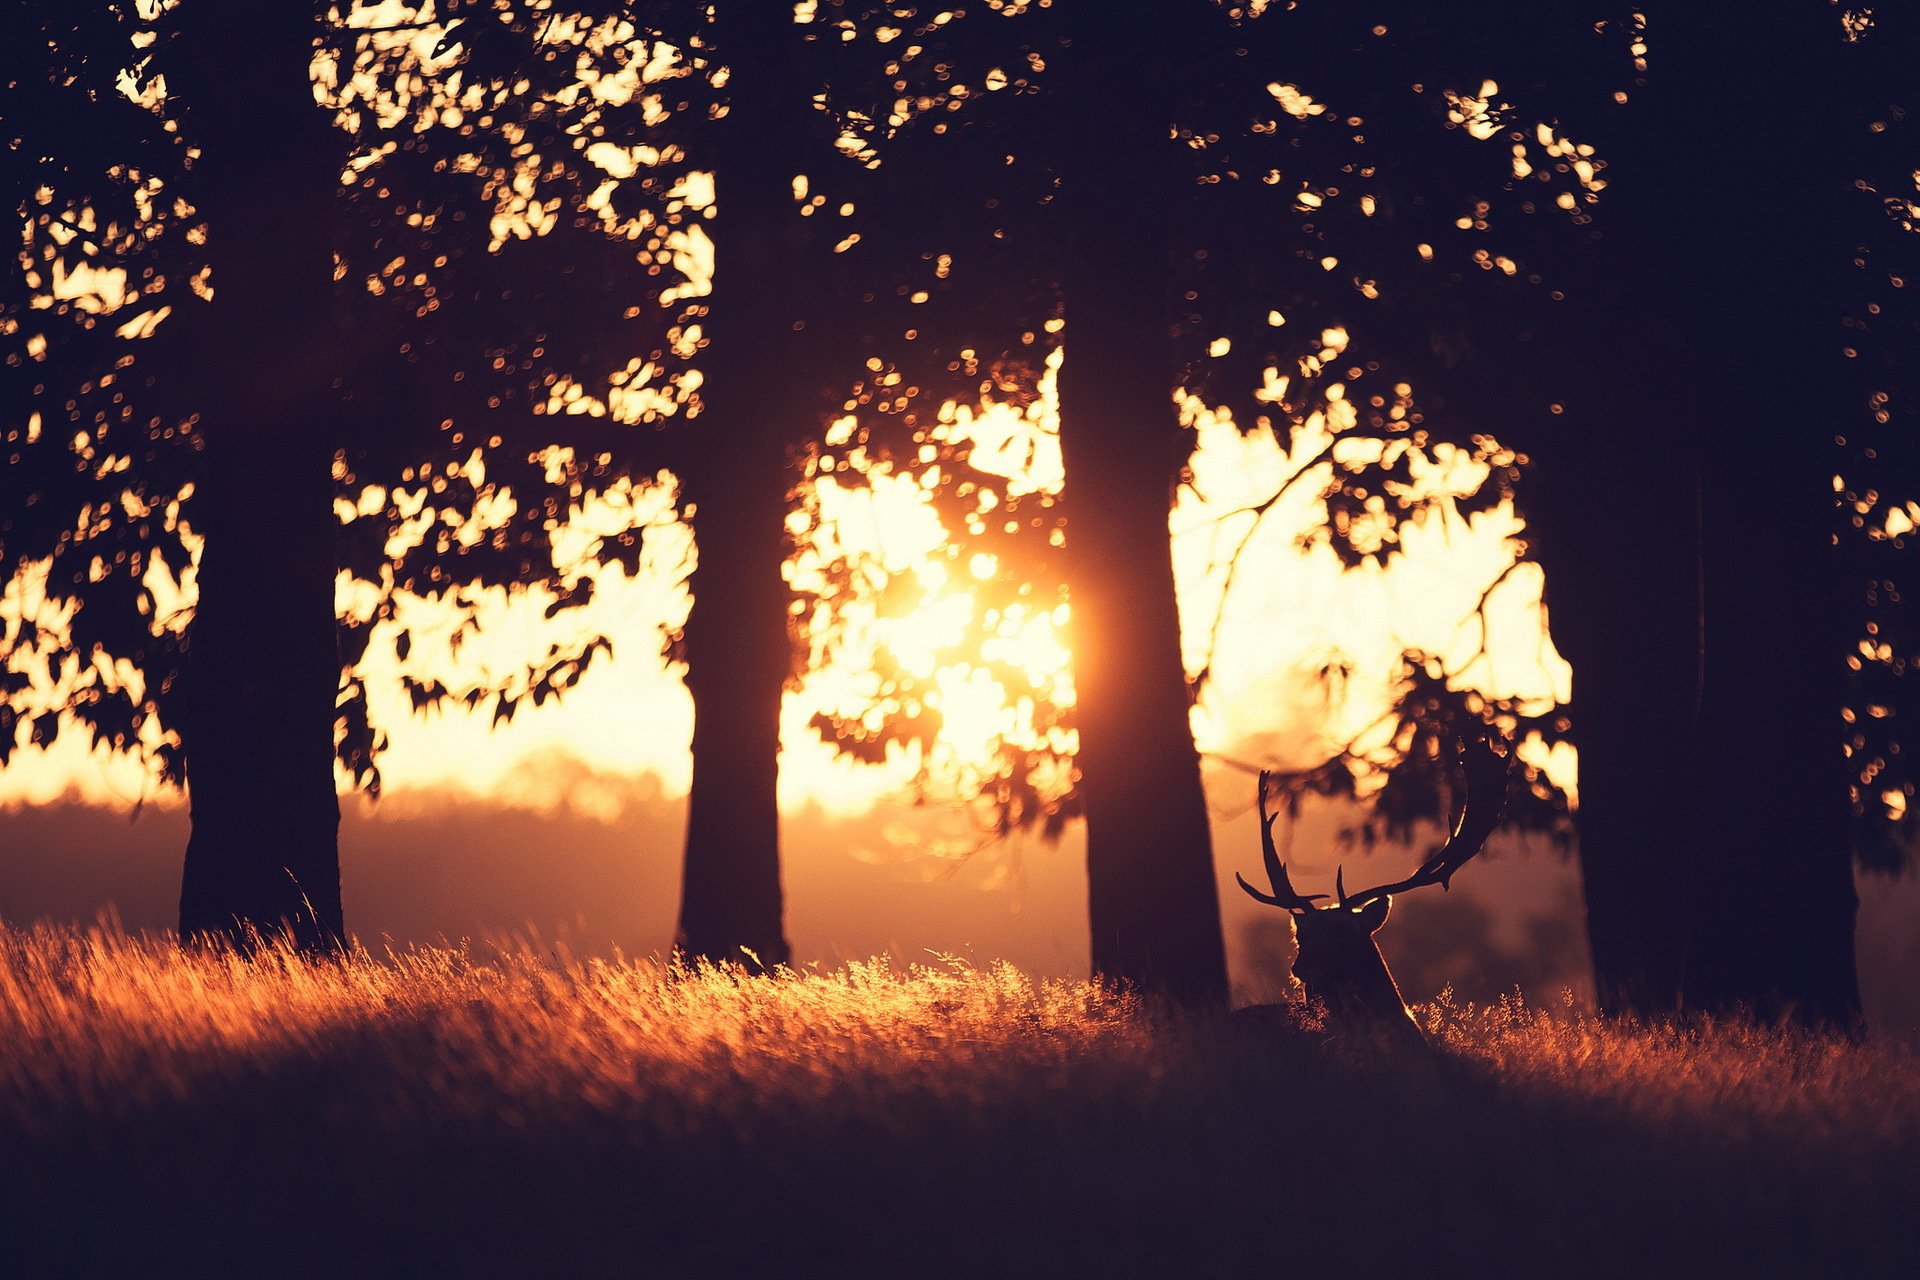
(1259, 512)
(1479, 612)
(394, 29)
(80, 233)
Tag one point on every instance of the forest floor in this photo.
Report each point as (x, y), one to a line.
(488, 1112)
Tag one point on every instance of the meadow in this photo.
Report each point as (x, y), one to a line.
(506, 1110)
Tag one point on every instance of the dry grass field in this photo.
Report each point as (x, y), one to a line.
(508, 1111)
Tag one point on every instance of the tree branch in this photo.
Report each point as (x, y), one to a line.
(1259, 511)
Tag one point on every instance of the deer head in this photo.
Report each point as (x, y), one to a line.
(1338, 962)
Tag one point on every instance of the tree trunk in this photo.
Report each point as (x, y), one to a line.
(1687, 523)
(1619, 542)
(1776, 633)
(263, 665)
(754, 396)
(1152, 900)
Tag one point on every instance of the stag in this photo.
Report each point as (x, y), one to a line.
(1339, 963)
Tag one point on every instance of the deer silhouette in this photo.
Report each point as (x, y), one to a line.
(1339, 963)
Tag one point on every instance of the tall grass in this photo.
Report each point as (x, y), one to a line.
(511, 1111)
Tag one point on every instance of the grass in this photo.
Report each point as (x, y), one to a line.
(509, 1112)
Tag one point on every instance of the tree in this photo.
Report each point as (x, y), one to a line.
(170, 463)
(213, 211)
(756, 388)
(577, 299)
(729, 106)
(530, 169)
(967, 310)
(1086, 199)
(83, 531)
(1152, 902)
(1724, 312)
(1655, 738)
(1882, 449)
(1735, 785)
(527, 305)
(263, 669)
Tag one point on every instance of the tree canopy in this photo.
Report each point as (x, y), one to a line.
(1394, 242)
(496, 145)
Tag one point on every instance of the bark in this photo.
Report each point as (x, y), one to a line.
(263, 667)
(738, 481)
(1152, 900)
(1619, 541)
(1694, 581)
(1775, 612)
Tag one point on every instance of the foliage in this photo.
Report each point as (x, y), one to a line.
(1350, 235)
(490, 270)
(95, 493)
(1881, 443)
(523, 231)
(523, 258)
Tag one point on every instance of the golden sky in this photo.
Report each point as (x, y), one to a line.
(1291, 610)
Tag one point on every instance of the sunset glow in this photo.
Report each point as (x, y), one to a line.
(844, 638)
(1290, 612)
(519, 334)
(1266, 701)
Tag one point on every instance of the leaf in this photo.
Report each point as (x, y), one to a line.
(572, 597)
(46, 727)
(454, 37)
(353, 638)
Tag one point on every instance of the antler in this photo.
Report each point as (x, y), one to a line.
(1284, 894)
(1485, 789)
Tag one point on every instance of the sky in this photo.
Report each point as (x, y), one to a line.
(566, 823)
(568, 818)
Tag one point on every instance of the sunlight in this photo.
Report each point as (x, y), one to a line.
(1266, 612)
(1288, 613)
(510, 1041)
(582, 495)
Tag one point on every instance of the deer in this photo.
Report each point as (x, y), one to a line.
(1339, 963)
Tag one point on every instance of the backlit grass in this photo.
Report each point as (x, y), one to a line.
(510, 1111)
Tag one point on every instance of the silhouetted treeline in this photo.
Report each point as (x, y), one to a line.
(373, 272)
